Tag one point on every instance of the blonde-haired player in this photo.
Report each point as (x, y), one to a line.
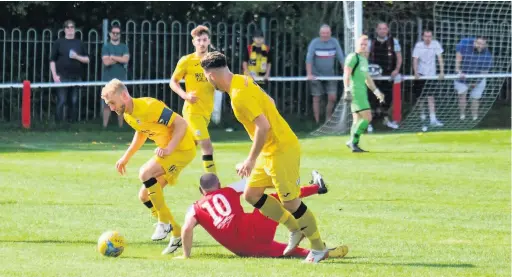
(152, 119)
(199, 94)
(355, 79)
(274, 159)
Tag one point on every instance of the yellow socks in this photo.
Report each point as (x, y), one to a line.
(157, 199)
(208, 164)
(307, 224)
(272, 208)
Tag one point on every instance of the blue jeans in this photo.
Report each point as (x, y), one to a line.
(64, 95)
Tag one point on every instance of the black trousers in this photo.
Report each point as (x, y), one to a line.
(67, 96)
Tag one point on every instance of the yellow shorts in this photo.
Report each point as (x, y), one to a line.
(281, 171)
(174, 164)
(198, 124)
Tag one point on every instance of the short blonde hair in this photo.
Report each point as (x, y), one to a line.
(114, 87)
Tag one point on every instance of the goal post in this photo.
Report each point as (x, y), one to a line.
(353, 18)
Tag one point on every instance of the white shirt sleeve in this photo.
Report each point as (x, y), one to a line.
(369, 47)
(439, 48)
(397, 45)
(190, 212)
(239, 186)
(416, 51)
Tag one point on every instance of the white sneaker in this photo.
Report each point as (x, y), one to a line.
(174, 244)
(370, 128)
(423, 117)
(436, 123)
(462, 116)
(294, 241)
(392, 124)
(316, 256)
(161, 231)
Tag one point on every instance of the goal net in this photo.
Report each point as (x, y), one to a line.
(341, 118)
(457, 24)
(454, 21)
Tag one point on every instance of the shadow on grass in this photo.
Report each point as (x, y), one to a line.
(96, 140)
(436, 265)
(142, 243)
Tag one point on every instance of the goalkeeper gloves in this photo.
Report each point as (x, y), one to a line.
(379, 95)
(347, 96)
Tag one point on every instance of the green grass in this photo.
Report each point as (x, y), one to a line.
(434, 204)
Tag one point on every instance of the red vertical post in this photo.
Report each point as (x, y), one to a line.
(25, 105)
(397, 101)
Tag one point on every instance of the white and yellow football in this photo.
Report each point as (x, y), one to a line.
(111, 244)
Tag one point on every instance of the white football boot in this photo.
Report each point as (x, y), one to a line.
(174, 244)
(294, 241)
(161, 231)
(316, 256)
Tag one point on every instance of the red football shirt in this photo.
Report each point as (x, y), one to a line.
(222, 216)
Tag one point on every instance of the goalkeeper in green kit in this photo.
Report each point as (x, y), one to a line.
(355, 79)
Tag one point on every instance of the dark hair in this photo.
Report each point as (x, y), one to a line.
(381, 22)
(213, 60)
(208, 181)
(426, 31)
(67, 22)
(258, 34)
(115, 26)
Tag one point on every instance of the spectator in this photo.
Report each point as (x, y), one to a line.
(474, 57)
(320, 62)
(66, 60)
(424, 64)
(115, 57)
(258, 59)
(385, 52)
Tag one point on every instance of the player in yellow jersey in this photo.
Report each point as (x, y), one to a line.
(152, 119)
(199, 94)
(274, 159)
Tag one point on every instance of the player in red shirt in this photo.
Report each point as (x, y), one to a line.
(220, 213)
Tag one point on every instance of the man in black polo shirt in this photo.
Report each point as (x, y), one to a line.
(385, 51)
(66, 63)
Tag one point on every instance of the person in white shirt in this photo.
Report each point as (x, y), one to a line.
(424, 64)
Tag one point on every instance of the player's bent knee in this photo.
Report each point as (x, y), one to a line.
(292, 205)
(143, 194)
(258, 204)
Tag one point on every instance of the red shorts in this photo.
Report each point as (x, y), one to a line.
(262, 244)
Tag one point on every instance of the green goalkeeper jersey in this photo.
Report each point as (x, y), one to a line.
(359, 65)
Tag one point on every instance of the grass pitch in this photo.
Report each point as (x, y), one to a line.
(434, 204)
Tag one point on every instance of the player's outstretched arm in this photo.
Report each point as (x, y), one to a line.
(138, 140)
(187, 235)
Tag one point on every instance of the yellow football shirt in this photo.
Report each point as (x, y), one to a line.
(154, 119)
(189, 67)
(249, 101)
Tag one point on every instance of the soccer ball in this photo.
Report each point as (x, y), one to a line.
(111, 244)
